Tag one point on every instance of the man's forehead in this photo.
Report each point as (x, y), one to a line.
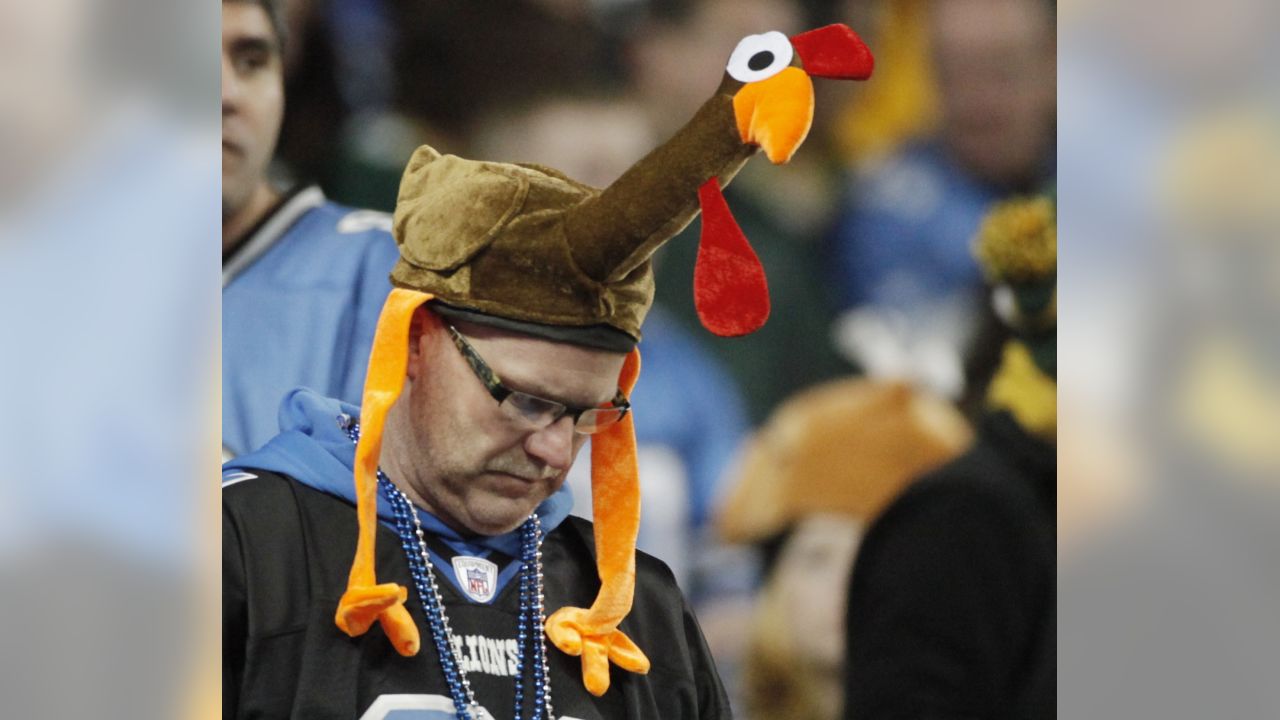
(540, 346)
(485, 331)
(244, 19)
(551, 368)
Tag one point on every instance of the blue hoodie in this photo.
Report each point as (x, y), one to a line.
(313, 448)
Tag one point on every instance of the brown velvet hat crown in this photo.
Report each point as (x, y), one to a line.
(548, 255)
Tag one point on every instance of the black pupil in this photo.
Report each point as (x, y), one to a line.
(760, 60)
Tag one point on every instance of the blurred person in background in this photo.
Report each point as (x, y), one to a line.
(812, 480)
(951, 605)
(899, 252)
(694, 415)
(371, 80)
(303, 278)
(459, 63)
(782, 218)
(345, 127)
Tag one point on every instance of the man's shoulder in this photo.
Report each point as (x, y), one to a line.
(973, 507)
(252, 493)
(985, 477)
(309, 231)
(307, 217)
(651, 572)
(249, 493)
(338, 237)
(355, 224)
(279, 527)
(972, 485)
(240, 482)
(330, 227)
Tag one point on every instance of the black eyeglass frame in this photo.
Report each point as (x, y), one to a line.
(556, 409)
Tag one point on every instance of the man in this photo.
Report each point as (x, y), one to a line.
(952, 602)
(900, 250)
(302, 278)
(510, 335)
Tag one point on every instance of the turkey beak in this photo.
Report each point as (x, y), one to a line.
(775, 113)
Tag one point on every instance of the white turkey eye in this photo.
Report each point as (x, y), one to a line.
(760, 56)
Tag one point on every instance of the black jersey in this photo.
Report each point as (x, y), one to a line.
(286, 552)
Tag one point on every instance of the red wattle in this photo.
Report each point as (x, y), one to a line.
(834, 51)
(729, 287)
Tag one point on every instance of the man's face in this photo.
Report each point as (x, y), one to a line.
(252, 101)
(996, 76)
(472, 463)
(823, 546)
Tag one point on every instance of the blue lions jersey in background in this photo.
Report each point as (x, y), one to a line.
(300, 301)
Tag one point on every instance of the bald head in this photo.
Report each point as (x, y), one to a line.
(995, 61)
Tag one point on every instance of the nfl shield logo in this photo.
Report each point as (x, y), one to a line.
(477, 581)
(477, 577)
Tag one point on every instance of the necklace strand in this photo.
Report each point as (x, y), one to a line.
(532, 615)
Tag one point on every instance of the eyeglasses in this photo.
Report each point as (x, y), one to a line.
(539, 412)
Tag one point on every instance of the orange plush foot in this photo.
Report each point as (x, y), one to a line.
(571, 631)
(360, 606)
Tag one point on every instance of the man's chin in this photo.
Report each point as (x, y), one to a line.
(234, 201)
(496, 513)
(495, 525)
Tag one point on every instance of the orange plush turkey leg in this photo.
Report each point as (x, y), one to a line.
(365, 600)
(615, 500)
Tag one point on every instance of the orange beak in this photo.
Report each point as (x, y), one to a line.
(775, 113)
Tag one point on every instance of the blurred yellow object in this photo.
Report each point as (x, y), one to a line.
(846, 447)
(1232, 406)
(902, 103)
(1018, 241)
(1024, 390)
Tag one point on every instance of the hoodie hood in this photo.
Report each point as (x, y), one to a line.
(313, 447)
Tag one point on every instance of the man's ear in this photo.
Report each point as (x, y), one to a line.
(422, 327)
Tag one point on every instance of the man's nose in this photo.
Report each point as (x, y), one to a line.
(230, 86)
(553, 445)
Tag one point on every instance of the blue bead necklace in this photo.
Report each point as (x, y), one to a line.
(532, 609)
